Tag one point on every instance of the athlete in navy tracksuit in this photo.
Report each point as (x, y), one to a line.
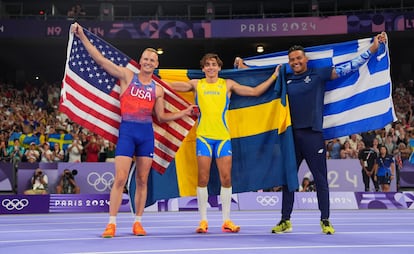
(306, 89)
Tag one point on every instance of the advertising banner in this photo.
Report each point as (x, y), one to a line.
(220, 28)
(260, 200)
(83, 203)
(278, 27)
(23, 204)
(338, 200)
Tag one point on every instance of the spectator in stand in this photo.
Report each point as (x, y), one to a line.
(92, 150)
(46, 153)
(402, 136)
(375, 145)
(4, 155)
(38, 102)
(347, 152)
(15, 153)
(83, 137)
(389, 143)
(367, 157)
(103, 144)
(57, 153)
(360, 147)
(353, 141)
(68, 125)
(75, 128)
(404, 151)
(75, 150)
(381, 135)
(50, 129)
(393, 134)
(368, 138)
(384, 169)
(32, 153)
(40, 132)
(110, 152)
(334, 148)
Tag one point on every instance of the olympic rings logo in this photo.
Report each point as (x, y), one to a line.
(15, 203)
(267, 200)
(101, 182)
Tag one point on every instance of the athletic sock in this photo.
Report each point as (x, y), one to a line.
(202, 198)
(112, 220)
(225, 196)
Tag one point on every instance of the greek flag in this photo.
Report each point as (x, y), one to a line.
(358, 102)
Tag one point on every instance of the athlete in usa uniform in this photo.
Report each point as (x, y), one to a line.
(140, 98)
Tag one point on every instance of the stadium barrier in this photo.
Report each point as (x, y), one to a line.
(86, 203)
(95, 180)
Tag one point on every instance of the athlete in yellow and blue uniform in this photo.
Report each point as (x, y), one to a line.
(213, 137)
(212, 95)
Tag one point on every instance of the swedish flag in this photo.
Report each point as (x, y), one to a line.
(64, 140)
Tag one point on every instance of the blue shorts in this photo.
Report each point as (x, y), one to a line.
(384, 179)
(209, 147)
(135, 139)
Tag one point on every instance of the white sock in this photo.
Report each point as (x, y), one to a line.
(225, 196)
(138, 218)
(202, 198)
(112, 219)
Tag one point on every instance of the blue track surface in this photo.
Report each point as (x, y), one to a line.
(358, 231)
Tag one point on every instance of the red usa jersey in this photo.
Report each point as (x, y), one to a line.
(137, 101)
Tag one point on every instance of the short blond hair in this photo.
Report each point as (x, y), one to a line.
(151, 50)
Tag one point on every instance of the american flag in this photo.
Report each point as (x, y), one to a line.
(90, 97)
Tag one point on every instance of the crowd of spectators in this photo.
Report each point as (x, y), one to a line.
(33, 110)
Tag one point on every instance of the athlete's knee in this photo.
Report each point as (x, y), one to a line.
(142, 180)
(203, 180)
(119, 181)
(225, 181)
